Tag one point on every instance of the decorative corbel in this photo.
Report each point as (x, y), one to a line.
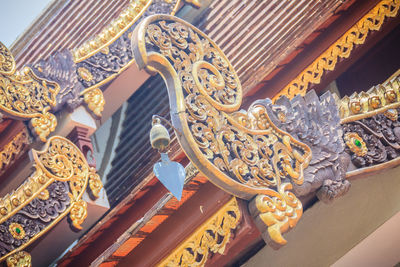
(25, 96)
(53, 191)
(244, 153)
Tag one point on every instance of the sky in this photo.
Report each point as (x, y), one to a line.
(16, 16)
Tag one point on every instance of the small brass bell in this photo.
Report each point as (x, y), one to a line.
(159, 136)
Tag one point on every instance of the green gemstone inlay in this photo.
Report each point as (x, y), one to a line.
(17, 230)
(357, 142)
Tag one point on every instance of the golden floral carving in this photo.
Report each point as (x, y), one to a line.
(95, 101)
(43, 125)
(113, 31)
(44, 195)
(26, 96)
(85, 74)
(211, 237)
(342, 48)
(242, 152)
(60, 160)
(14, 149)
(7, 62)
(95, 184)
(279, 213)
(384, 98)
(356, 144)
(16, 230)
(19, 259)
(78, 213)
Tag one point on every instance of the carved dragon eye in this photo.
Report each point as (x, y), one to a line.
(356, 144)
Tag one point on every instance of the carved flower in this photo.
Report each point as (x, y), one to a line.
(78, 213)
(356, 144)
(85, 74)
(16, 230)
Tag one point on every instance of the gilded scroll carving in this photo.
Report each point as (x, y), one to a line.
(109, 34)
(342, 48)
(26, 96)
(211, 237)
(12, 150)
(205, 97)
(275, 215)
(19, 259)
(109, 53)
(53, 191)
(94, 100)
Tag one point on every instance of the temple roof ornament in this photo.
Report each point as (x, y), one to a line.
(244, 153)
(14, 149)
(26, 96)
(53, 191)
(261, 154)
(73, 78)
(106, 55)
(211, 237)
(341, 49)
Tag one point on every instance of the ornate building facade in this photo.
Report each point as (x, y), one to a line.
(284, 115)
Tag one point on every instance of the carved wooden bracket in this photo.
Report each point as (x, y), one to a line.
(26, 96)
(53, 191)
(244, 153)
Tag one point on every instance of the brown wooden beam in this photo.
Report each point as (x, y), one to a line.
(178, 227)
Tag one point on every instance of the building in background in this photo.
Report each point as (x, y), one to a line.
(305, 179)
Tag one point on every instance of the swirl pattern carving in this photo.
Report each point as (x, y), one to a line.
(205, 97)
(50, 193)
(26, 96)
(109, 53)
(342, 48)
(14, 149)
(211, 237)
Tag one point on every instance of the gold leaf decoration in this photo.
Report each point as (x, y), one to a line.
(342, 48)
(19, 259)
(60, 160)
(211, 237)
(26, 96)
(113, 31)
(242, 152)
(78, 213)
(379, 99)
(356, 144)
(12, 150)
(16, 230)
(279, 213)
(95, 101)
(95, 183)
